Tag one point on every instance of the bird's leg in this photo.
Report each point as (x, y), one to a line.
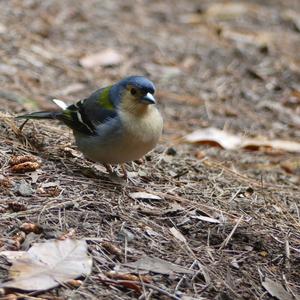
(22, 125)
(109, 169)
(125, 174)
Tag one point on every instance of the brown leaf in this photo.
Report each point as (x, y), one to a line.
(44, 267)
(216, 137)
(105, 58)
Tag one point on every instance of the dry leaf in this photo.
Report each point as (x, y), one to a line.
(216, 137)
(157, 265)
(46, 265)
(276, 290)
(144, 196)
(108, 57)
(284, 145)
(178, 235)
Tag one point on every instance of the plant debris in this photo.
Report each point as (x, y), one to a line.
(46, 265)
(226, 215)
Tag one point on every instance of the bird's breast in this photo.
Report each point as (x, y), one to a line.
(128, 139)
(145, 128)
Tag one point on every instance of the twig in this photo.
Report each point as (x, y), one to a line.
(148, 285)
(226, 241)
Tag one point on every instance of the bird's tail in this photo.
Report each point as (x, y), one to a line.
(40, 115)
(46, 114)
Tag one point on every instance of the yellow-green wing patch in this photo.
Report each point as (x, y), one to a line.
(104, 99)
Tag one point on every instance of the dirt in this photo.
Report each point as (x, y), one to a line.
(229, 65)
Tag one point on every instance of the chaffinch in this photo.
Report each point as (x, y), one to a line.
(115, 124)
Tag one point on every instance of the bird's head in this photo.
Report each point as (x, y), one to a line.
(136, 93)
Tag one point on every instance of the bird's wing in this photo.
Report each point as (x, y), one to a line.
(86, 114)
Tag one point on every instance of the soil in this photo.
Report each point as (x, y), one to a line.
(223, 64)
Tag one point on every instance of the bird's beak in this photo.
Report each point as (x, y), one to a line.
(148, 99)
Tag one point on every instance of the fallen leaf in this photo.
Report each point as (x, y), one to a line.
(105, 58)
(144, 196)
(276, 290)
(46, 265)
(284, 145)
(178, 235)
(157, 265)
(216, 137)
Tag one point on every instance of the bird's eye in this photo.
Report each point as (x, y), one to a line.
(133, 91)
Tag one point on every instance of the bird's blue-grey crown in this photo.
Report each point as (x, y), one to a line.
(140, 82)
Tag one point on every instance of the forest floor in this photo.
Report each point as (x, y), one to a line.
(229, 218)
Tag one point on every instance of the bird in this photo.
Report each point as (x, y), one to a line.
(116, 124)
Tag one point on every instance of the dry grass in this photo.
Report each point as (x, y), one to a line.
(254, 198)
